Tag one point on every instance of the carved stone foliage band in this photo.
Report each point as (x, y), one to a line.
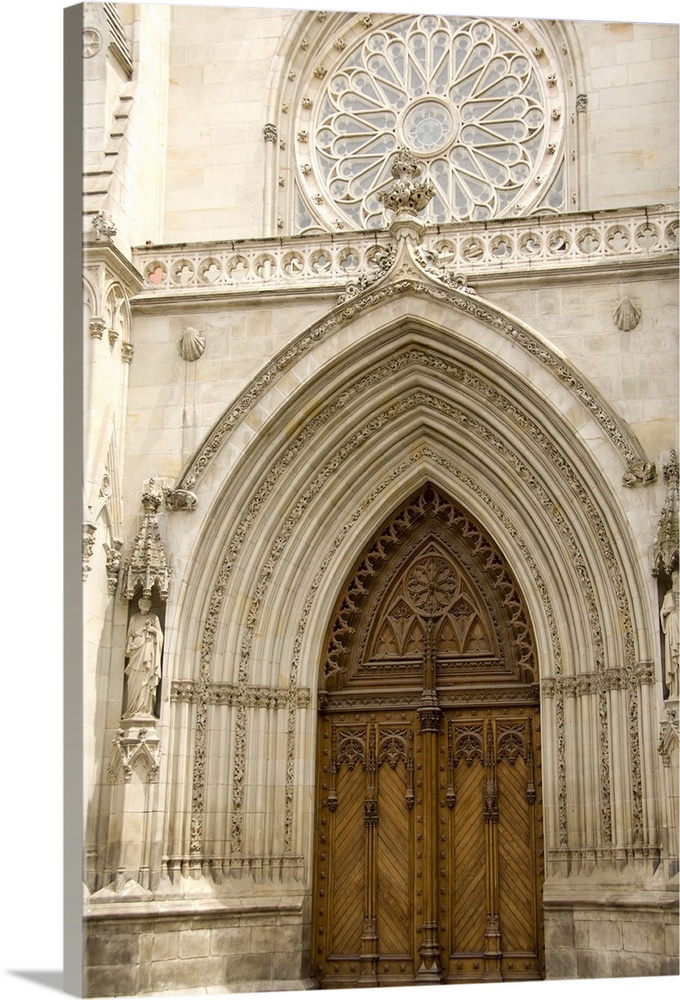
(616, 431)
(601, 239)
(228, 694)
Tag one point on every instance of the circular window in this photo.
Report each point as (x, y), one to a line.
(477, 101)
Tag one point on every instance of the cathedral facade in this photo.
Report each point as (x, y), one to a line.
(380, 513)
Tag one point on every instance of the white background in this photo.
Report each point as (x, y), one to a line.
(32, 491)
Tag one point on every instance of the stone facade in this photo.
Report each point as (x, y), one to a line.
(261, 394)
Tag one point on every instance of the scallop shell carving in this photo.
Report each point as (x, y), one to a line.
(627, 315)
(191, 344)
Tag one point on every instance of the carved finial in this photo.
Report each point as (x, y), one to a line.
(406, 194)
(147, 564)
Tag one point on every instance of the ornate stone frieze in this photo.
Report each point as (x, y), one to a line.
(545, 244)
(132, 746)
(146, 563)
(665, 549)
(618, 434)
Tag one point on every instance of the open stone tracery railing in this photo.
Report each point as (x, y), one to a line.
(299, 263)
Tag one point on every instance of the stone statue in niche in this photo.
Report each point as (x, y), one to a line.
(143, 647)
(669, 625)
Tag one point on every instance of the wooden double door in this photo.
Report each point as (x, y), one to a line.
(428, 841)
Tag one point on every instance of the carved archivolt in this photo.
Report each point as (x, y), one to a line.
(618, 434)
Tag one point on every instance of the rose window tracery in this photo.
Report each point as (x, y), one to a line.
(478, 103)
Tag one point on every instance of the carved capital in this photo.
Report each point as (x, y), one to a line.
(270, 132)
(127, 352)
(97, 327)
(581, 104)
(669, 739)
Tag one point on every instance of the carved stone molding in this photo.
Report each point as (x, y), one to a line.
(665, 549)
(146, 563)
(572, 241)
(639, 469)
(89, 532)
(230, 695)
(131, 747)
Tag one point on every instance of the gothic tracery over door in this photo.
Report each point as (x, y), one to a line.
(428, 855)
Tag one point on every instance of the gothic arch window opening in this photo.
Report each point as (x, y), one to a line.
(481, 102)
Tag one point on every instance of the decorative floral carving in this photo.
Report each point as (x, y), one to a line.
(97, 327)
(92, 42)
(270, 132)
(581, 104)
(127, 352)
(191, 344)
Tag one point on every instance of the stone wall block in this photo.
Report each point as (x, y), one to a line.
(248, 968)
(561, 965)
(559, 932)
(113, 949)
(186, 973)
(594, 965)
(164, 945)
(194, 943)
(604, 935)
(230, 940)
(110, 980)
(287, 965)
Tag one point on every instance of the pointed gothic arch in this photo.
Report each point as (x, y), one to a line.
(405, 390)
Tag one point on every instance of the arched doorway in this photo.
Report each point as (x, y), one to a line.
(428, 843)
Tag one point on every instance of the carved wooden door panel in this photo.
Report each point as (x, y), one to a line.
(428, 846)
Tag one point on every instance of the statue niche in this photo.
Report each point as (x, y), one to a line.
(143, 650)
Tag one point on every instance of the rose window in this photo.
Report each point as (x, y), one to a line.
(431, 586)
(476, 101)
